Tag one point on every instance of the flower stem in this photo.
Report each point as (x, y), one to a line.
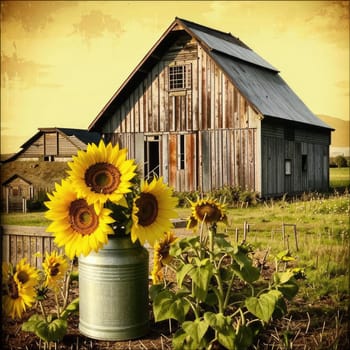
(43, 311)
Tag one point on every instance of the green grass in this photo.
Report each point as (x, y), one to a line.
(27, 219)
(339, 177)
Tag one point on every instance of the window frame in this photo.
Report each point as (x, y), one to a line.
(179, 77)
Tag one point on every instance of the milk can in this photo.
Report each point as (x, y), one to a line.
(113, 291)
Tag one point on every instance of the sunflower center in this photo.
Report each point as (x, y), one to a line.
(22, 277)
(209, 212)
(83, 218)
(164, 250)
(12, 288)
(102, 178)
(54, 269)
(148, 209)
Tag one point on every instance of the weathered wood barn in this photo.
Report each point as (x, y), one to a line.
(55, 144)
(203, 110)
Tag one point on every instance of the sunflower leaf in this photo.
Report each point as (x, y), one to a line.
(201, 275)
(71, 308)
(183, 272)
(196, 330)
(264, 305)
(168, 305)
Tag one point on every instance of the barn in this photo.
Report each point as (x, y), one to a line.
(204, 111)
(54, 144)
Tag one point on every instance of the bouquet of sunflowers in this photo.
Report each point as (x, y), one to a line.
(103, 196)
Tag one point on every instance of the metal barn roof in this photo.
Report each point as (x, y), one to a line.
(267, 91)
(256, 79)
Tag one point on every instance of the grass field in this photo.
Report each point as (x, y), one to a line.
(339, 177)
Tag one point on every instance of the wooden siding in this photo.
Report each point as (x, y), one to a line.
(35, 150)
(52, 144)
(307, 145)
(218, 124)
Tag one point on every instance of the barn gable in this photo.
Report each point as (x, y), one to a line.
(199, 110)
(57, 144)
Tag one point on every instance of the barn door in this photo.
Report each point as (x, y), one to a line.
(151, 157)
(183, 161)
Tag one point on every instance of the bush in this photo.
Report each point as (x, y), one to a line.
(340, 161)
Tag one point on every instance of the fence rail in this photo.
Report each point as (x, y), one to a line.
(24, 242)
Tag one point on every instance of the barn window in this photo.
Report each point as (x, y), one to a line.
(180, 77)
(288, 167)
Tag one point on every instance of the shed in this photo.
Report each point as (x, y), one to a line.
(204, 110)
(16, 190)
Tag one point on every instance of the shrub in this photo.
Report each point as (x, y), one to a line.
(340, 161)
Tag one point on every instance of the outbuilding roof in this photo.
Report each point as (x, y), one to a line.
(256, 79)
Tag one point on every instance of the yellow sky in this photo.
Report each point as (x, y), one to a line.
(61, 61)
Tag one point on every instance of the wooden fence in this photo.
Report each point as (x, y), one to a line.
(24, 242)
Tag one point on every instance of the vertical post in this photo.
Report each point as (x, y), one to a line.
(296, 238)
(283, 236)
(244, 231)
(7, 200)
(236, 235)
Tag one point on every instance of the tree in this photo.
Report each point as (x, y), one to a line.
(340, 161)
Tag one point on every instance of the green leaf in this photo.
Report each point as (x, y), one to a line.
(263, 306)
(223, 325)
(168, 305)
(289, 290)
(283, 277)
(247, 273)
(244, 338)
(286, 284)
(183, 272)
(31, 324)
(179, 339)
(71, 308)
(245, 269)
(201, 276)
(51, 331)
(184, 245)
(196, 330)
(155, 289)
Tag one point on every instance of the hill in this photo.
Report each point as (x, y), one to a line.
(340, 137)
(41, 174)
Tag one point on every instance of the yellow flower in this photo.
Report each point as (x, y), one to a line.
(208, 211)
(102, 173)
(161, 256)
(55, 267)
(152, 211)
(25, 274)
(18, 288)
(76, 225)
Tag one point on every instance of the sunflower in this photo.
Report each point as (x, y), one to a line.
(18, 288)
(76, 225)
(207, 210)
(152, 211)
(161, 256)
(102, 173)
(55, 267)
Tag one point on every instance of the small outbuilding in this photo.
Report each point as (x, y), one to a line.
(16, 191)
(203, 110)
